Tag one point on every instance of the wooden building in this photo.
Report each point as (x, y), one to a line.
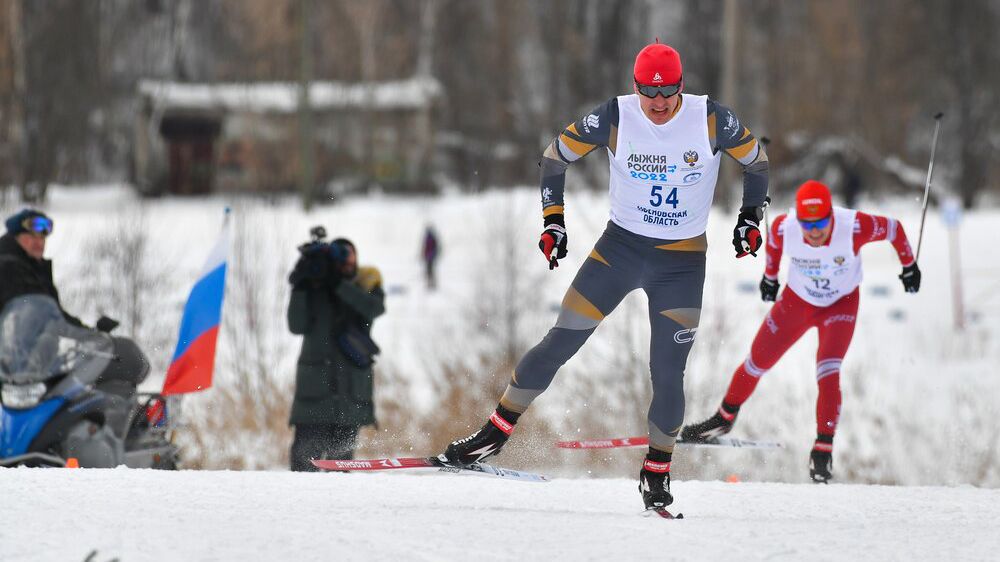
(204, 138)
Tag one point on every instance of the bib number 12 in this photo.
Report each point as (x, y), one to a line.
(656, 198)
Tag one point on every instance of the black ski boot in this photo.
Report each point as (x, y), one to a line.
(486, 442)
(654, 480)
(719, 424)
(821, 466)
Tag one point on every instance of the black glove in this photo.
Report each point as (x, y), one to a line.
(553, 238)
(105, 324)
(910, 278)
(312, 266)
(768, 289)
(746, 235)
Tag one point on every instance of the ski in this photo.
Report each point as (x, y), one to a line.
(430, 464)
(644, 441)
(662, 512)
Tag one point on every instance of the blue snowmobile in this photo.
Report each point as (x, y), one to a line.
(68, 392)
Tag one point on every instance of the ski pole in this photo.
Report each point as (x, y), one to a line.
(927, 184)
(767, 200)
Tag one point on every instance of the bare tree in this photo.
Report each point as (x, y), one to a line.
(365, 16)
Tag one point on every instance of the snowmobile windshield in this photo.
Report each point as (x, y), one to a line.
(36, 343)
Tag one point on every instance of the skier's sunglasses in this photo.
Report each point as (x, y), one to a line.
(38, 225)
(653, 91)
(816, 224)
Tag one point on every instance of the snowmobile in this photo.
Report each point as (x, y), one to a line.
(68, 393)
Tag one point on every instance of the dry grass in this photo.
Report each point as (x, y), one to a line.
(234, 429)
(243, 421)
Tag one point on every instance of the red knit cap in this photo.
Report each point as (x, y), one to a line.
(657, 65)
(812, 201)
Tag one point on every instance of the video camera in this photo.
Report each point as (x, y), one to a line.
(317, 246)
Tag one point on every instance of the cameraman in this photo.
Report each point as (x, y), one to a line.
(333, 305)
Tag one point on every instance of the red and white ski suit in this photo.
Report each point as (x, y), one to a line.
(822, 292)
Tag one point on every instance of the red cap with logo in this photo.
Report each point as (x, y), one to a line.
(657, 65)
(812, 201)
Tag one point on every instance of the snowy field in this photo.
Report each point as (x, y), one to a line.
(920, 399)
(146, 515)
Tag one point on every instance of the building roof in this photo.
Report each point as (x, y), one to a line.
(282, 97)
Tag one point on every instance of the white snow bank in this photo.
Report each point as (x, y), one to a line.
(127, 514)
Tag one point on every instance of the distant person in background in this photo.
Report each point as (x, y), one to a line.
(23, 267)
(822, 243)
(664, 149)
(430, 251)
(333, 305)
(852, 186)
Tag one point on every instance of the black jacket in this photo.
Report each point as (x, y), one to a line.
(329, 388)
(21, 274)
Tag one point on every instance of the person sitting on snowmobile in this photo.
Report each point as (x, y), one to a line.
(23, 267)
(24, 270)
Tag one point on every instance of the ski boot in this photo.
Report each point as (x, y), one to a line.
(485, 443)
(716, 426)
(654, 480)
(821, 466)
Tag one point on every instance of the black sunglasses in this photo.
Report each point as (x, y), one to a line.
(653, 91)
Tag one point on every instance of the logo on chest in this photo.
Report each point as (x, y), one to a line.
(653, 167)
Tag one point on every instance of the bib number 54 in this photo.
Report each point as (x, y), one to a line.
(656, 198)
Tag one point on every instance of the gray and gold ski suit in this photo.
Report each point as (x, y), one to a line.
(671, 272)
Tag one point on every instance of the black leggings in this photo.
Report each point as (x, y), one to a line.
(321, 441)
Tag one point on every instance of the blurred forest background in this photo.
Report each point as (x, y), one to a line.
(843, 87)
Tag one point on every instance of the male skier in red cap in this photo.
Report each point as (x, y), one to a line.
(664, 150)
(822, 244)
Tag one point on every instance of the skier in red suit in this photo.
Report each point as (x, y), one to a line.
(822, 244)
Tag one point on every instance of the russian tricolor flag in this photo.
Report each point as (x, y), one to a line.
(191, 368)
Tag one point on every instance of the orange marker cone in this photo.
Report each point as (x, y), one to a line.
(72, 462)
(732, 478)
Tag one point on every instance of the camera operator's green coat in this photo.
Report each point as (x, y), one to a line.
(329, 387)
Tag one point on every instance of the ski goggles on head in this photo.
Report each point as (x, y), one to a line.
(38, 225)
(818, 224)
(653, 91)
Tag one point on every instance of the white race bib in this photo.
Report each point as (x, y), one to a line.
(822, 275)
(663, 176)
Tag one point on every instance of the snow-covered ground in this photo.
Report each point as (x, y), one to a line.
(920, 399)
(204, 515)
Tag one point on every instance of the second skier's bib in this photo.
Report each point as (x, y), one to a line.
(663, 176)
(822, 275)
